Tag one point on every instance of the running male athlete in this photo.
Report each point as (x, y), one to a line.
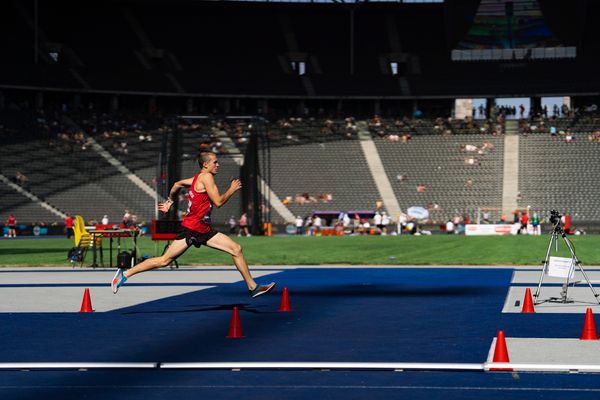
(196, 228)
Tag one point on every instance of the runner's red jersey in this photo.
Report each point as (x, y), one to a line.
(11, 221)
(199, 208)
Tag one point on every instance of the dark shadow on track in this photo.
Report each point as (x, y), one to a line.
(224, 307)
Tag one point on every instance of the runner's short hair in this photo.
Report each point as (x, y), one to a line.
(204, 156)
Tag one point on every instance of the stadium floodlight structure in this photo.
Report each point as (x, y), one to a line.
(557, 229)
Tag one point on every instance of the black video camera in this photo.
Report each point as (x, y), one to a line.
(555, 217)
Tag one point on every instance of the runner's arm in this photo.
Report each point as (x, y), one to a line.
(165, 206)
(213, 192)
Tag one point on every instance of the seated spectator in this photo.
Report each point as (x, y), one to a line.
(402, 177)
(467, 148)
(487, 146)
(21, 179)
(471, 161)
(421, 188)
(569, 136)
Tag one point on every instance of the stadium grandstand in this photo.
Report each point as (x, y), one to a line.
(406, 98)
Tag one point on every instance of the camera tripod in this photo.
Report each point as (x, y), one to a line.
(556, 231)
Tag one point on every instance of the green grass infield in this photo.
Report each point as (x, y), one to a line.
(291, 250)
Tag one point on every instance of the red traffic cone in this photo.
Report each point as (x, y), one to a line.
(235, 326)
(528, 302)
(86, 304)
(589, 327)
(285, 305)
(500, 352)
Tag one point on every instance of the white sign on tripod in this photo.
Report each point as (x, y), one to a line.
(560, 267)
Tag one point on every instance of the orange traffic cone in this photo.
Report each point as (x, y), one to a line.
(589, 327)
(86, 304)
(528, 302)
(235, 326)
(285, 305)
(500, 352)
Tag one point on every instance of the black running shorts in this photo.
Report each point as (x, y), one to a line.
(195, 238)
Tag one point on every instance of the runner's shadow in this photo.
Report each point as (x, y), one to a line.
(223, 307)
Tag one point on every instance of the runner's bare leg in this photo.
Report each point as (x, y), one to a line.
(177, 248)
(224, 243)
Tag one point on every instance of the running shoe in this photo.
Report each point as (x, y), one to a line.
(262, 289)
(118, 280)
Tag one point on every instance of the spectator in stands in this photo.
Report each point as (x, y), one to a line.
(377, 222)
(325, 197)
(308, 225)
(450, 227)
(486, 217)
(566, 221)
(346, 223)
(385, 221)
(469, 183)
(21, 179)
(401, 177)
(244, 225)
(535, 222)
(421, 188)
(232, 225)
(524, 222)
(392, 137)
(134, 221)
(299, 225)
(481, 111)
(105, 220)
(317, 223)
(555, 111)
(126, 218)
(472, 161)
(309, 198)
(11, 223)
(364, 228)
(69, 226)
(569, 136)
(467, 148)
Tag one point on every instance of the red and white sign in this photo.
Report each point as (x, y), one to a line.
(480, 230)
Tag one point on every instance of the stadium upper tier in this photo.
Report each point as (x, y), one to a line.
(206, 48)
(84, 164)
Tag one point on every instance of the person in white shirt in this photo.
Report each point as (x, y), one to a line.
(346, 221)
(299, 225)
(317, 225)
(377, 222)
(105, 220)
(402, 220)
(385, 221)
(450, 227)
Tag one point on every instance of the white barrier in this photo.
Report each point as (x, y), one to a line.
(491, 229)
(341, 366)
